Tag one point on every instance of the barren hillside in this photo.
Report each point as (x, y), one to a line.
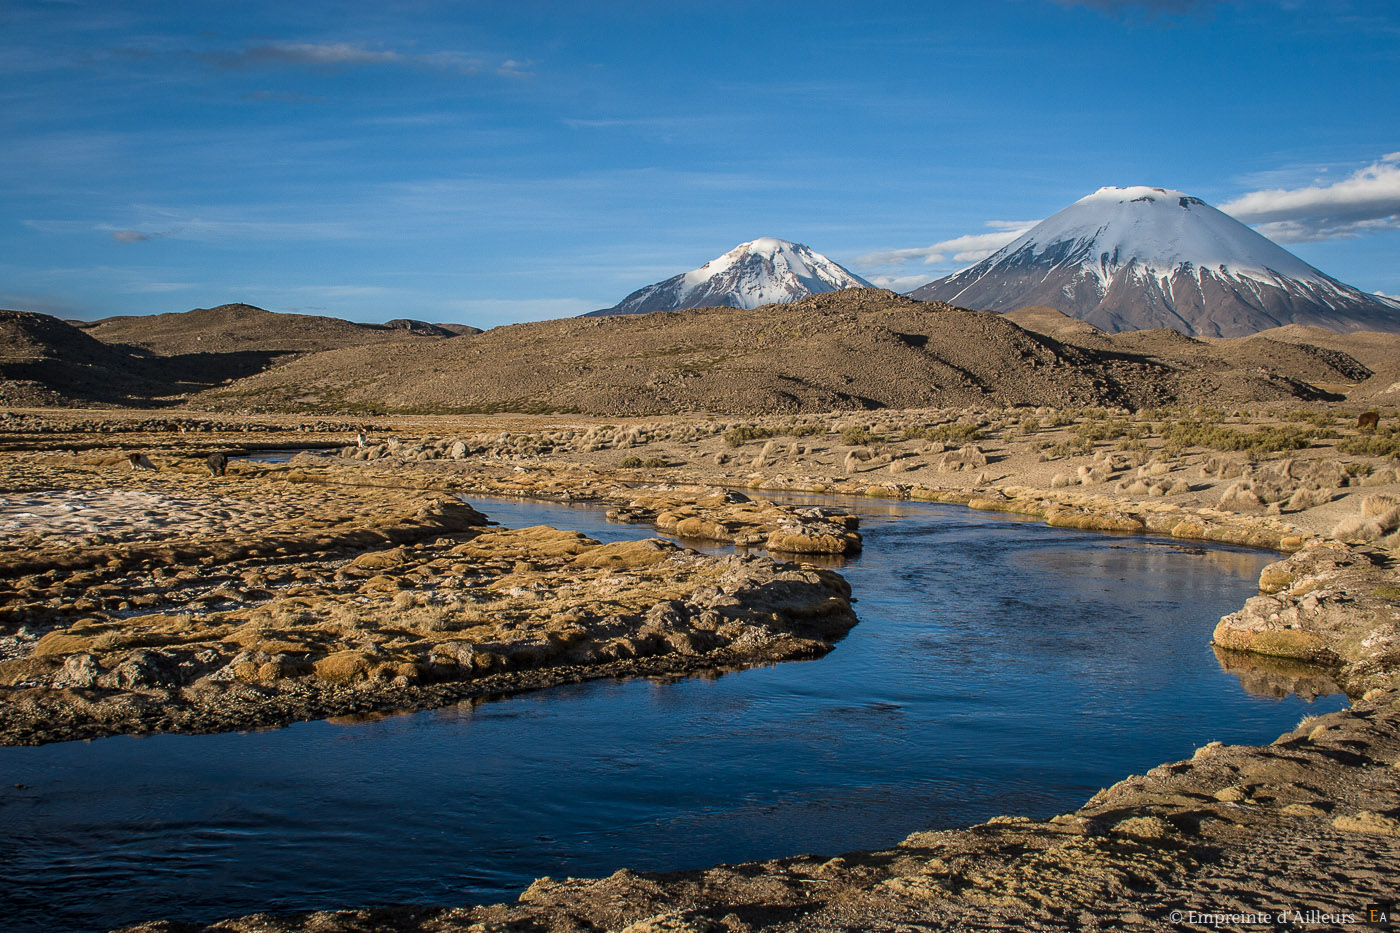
(239, 327)
(854, 349)
(163, 358)
(44, 361)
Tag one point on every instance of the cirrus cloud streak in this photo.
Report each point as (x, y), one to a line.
(334, 55)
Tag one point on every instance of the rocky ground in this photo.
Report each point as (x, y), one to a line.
(167, 600)
(363, 561)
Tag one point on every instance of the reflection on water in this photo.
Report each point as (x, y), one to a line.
(1278, 677)
(1000, 666)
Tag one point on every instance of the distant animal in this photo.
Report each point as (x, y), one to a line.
(217, 463)
(139, 461)
(360, 438)
(1368, 419)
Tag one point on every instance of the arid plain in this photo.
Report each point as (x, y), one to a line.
(361, 575)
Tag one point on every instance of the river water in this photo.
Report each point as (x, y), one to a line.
(1000, 667)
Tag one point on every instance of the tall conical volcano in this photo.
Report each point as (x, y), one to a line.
(1140, 258)
(761, 272)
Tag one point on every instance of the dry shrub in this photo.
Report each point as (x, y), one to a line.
(1380, 478)
(108, 641)
(1090, 476)
(970, 457)
(1379, 504)
(1239, 497)
(1222, 467)
(349, 619)
(1358, 528)
(427, 620)
(292, 616)
(1304, 498)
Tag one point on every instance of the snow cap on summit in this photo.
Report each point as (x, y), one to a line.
(1160, 229)
(1141, 257)
(760, 272)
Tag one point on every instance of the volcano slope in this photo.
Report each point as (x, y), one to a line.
(856, 349)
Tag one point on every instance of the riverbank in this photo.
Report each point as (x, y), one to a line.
(1308, 823)
(139, 601)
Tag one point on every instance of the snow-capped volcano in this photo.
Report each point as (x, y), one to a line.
(1138, 258)
(761, 272)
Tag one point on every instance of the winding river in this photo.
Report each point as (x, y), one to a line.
(1000, 666)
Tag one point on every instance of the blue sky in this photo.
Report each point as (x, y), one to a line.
(490, 162)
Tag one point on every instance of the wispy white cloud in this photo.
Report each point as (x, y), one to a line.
(1367, 201)
(898, 283)
(327, 54)
(134, 236)
(46, 285)
(282, 97)
(510, 68)
(332, 55)
(344, 291)
(158, 288)
(606, 123)
(972, 247)
(177, 225)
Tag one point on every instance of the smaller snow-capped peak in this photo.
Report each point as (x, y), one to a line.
(771, 270)
(760, 272)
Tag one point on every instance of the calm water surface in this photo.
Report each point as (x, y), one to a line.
(999, 667)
